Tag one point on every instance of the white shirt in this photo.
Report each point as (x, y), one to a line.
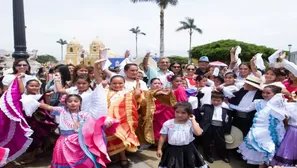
(247, 99)
(131, 85)
(206, 99)
(217, 113)
(178, 134)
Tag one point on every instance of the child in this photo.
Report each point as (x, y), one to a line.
(267, 131)
(70, 149)
(229, 87)
(180, 151)
(40, 121)
(204, 92)
(215, 122)
(286, 154)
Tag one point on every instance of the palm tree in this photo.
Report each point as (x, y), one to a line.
(62, 43)
(136, 31)
(188, 24)
(162, 4)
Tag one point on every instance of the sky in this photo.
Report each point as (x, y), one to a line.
(272, 23)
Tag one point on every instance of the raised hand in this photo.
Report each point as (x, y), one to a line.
(127, 53)
(21, 75)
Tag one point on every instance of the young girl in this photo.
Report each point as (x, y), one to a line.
(286, 154)
(180, 151)
(74, 148)
(267, 131)
(40, 121)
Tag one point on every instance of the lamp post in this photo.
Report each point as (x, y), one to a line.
(290, 46)
(20, 48)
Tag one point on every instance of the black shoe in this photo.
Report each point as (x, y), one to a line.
(209, 159)
(125, 164)
(226, 160)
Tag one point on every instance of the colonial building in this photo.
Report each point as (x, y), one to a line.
(76, 54)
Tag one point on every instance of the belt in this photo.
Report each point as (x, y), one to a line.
(242, 114)
(67, 132)
(217, 123)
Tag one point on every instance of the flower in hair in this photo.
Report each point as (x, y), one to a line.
(169, 77)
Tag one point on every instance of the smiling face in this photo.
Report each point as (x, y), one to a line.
(132, 72)
(244, 70)
(117, 84)
(175, 68)
(270, 76)
(163, 64)
(176, 82)
(190, 70)
(82, 71)
(22, 67)
(71, 69)
(229, 79)
(32, 87)
(267, 93)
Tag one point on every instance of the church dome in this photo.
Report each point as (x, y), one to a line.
(74, 42)
(98, 42)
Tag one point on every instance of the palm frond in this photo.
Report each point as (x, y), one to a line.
(198, 30)
(180, 28)
(142, 33)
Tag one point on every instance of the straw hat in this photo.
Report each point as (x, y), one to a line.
(152, 63)
(234, 139)
(253, 81)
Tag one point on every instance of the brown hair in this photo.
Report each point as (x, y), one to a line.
(76, 68)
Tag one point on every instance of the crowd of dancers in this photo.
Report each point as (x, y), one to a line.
(87, 114)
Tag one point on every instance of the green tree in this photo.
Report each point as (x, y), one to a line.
(162, 4)
(62, 43)
(136, 31)
(220, 50)
(46, 58)
(189, 24)
(179, 59)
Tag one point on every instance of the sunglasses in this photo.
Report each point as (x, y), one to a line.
(191, 69)
(21, 65)
(176, 67)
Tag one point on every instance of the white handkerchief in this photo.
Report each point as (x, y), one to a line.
(238, 62)
(259, 61)
(273, 58)
(104, 54)
(237, 52)
(106, 64)
(216, 71)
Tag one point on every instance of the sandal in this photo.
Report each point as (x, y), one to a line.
(125, 164)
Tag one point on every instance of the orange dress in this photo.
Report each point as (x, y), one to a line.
(123, 106)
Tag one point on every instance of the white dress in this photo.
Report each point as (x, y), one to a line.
(267, 131)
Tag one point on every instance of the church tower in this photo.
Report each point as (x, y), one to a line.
(73, 52)
(93, 54)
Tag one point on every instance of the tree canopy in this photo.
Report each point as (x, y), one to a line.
(46, 58)
(179, 59)
(220, 50)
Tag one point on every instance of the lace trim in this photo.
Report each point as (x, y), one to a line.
(21, 151)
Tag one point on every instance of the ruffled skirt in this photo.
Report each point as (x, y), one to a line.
(287, 152)
(186, 156)
(68, 153)
(263, 139)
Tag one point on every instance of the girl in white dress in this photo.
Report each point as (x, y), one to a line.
(267, 131)
(180, 151)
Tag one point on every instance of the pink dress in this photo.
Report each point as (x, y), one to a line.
(15, 132)
(3, 155)
(164, 112)
(289, 87)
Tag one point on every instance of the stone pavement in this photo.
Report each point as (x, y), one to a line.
(145, 159)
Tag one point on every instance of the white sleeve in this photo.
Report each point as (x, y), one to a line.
(206, 99)
(30, 104)
(210, 83)
(250, 108)
(143, 85)
(7, 79)
(98, 105)
(290, 66)
(229, 90)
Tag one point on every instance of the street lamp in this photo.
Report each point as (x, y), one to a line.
(290, 46)
(20, 48)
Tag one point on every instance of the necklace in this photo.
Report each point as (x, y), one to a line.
(76, 123)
